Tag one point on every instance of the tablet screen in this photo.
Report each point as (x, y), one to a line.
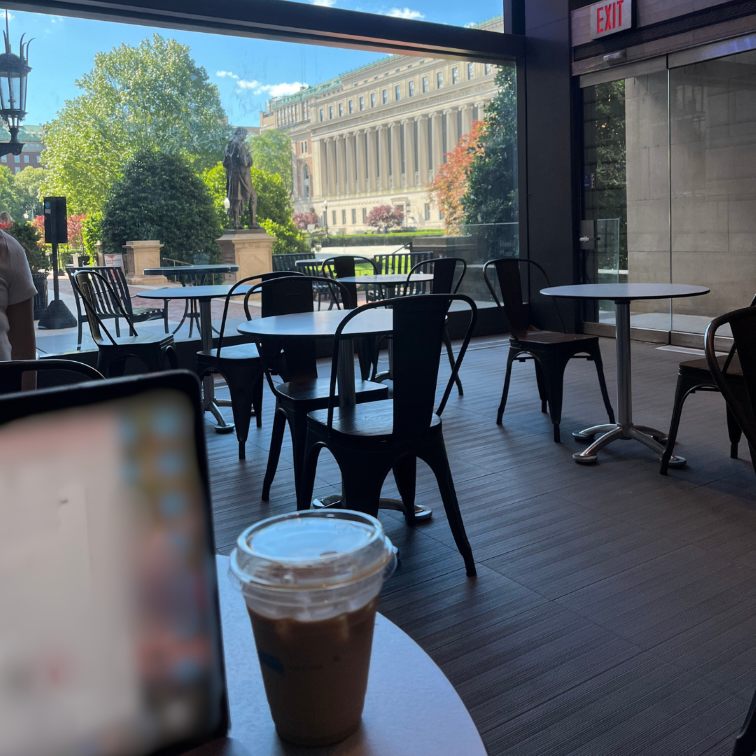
(108, 633)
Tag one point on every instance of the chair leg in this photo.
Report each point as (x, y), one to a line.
(433, 453)
(257, 400)
(165, 314)
(168, 355)
(365, 355)
(298, 428)
(241, 390)
(79, 333)
(309, 468)
(510, 361)
(684, 387)
(734, 432)
(405, 474)
(449, 351)
(596, 355)
(118, 326)
(553, 373)
(362, 478)
(541, 386)
(276, 441)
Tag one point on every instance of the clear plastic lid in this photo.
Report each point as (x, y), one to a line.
(313, 549)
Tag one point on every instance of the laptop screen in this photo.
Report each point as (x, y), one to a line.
(108, 625)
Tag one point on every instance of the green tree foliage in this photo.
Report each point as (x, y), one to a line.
(91, 233)
(272, 153)
(29, 238)
(492, 189)
(160, 197)
(8, 199)
(274, 209)
(152, 96)
(27, 186)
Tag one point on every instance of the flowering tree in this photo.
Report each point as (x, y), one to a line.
(451, 182)
(75, 223)
(385, 217)
(302, 220)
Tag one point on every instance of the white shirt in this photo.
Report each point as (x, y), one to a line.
(16, 285)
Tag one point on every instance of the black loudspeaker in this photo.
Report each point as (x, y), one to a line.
(56, 223)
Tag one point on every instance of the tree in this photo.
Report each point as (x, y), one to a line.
(160, 197)
(153, 96)
(451, 182)
(303, 220)
(272, 153)
(492, 185)
(29, 238)
(385, 217)
(7, 193)
(27, 186)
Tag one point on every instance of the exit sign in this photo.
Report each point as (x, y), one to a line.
(611, 17)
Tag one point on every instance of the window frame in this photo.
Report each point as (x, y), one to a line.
(425, 85)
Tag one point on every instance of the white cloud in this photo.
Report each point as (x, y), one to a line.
(324, 3)
(56, 19)
(274, 90)
(224, 74)
(405, 13)
(470, 25)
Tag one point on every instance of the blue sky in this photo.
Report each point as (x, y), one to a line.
(247, 71)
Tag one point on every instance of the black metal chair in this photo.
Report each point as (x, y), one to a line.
(287, 261)
(739, 391)
(109, 305)
(444, 273)
(321, 291)
(550, 350)
(745, 742)
(294, 359)
(371, 440)
(241, 366)
(12, 371)
(400, 263)
(155, 351)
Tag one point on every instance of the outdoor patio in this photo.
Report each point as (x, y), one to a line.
(614, 609)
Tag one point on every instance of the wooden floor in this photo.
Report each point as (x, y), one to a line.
(614, 610)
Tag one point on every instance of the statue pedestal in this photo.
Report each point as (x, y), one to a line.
(141, 255)
(249, 248)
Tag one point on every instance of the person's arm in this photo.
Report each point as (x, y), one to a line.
(21, 336)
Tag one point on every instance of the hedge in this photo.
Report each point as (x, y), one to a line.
(375, 240)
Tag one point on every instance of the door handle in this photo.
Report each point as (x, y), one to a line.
(584, 239)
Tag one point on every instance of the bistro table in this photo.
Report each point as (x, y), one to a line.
(323, 324)
(411, 708)
(184, 273)
(203, 295)
(390, 280)
(623, 295)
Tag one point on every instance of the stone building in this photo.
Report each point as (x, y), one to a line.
(31, 156)
(377, 135)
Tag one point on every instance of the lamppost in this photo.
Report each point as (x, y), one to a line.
(325, 206)
(13, 72)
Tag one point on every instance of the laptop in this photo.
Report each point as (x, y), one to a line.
(110, 638)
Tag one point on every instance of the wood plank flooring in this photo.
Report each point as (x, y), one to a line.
(614, 610)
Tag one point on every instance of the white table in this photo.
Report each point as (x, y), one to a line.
(411, 708)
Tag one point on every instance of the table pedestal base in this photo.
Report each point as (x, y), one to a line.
(335, 501)
(650, 437)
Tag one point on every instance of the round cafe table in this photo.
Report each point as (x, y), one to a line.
(202, 295)
(623, 295)
(323, 324)
(390, 280)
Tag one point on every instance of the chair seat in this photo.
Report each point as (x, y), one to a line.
(237, 353)
(700, 368)
(548, 338)
(374, 420)
(313, 394)
(137, 341)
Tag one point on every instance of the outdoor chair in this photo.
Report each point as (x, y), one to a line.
(745, 742)
(400, 263)
(321, 291)
(739, 391)
(550, 350)
(294, 359)
(111, 306)
(368, 441)
(156, 351)
(287, 262)
(241, 366)
(11, 372)
(692, 376)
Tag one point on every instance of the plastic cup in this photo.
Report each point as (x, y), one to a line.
(311, 582)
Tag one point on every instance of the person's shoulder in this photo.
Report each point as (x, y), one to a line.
(11, 243)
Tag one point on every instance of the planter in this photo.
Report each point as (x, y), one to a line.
(40, 299)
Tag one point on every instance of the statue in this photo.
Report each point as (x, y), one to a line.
(237, 161)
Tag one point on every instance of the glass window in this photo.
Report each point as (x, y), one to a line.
(372, 100)
(362, 103)
(427, 211)
(439, 80)
(321, 114)
(488, 68)
(455, 75)
(341, 109)
(330, 112)
(411, 88)
(354, 216)
(16, 159)
(471, 70)
(26, 158)
(5, 158)
(351, 106)
(39, 158)
(384, 96)
(397, 93)
(425, 84)
(333, 216)
(364, 214)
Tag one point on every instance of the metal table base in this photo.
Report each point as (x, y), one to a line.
(625, 429)
(208, 382)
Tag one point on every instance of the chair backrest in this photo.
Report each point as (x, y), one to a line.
(109, 304)
(12, 370)
(417, 340)
(288, 261)
(740, 401)
(745, 743)
(510, 285)
(94, 290)
(294, 358)
(444, 270)
(345, 266)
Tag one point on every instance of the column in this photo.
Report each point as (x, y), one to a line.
(360, 184)
(372, 183)
(383, 147)
(409, 152)
(451, 129)
(422, 149)
(330, 153)
(349, 146)
(466, 119)
(396, 154)
(479, 107)
(342, 172)
(438, 151)
(322, 183)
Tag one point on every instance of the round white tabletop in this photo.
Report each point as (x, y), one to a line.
(388, 278)
(626, 291)
(411, 708)
(321, 323)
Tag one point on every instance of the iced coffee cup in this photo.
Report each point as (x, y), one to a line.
(311, 582)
